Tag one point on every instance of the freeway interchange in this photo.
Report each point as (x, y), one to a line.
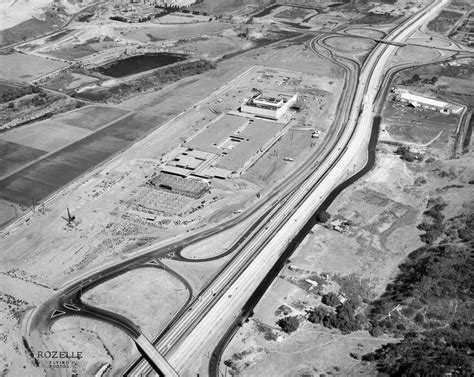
(273, 223)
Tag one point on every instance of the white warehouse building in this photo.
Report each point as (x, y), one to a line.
(417, 100)
(269, 105)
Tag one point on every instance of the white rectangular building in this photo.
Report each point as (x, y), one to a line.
(417, 100)
(269, 105)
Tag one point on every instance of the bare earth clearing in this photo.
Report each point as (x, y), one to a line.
(147, 296)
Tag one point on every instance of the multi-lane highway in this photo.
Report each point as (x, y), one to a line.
(280, 217)
(67, 300)
(202, 324)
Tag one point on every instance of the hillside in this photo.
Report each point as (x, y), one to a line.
(430, 303)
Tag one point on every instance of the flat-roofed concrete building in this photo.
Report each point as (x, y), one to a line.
(272, 105)
(417, 100)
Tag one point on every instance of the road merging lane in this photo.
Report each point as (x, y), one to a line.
(187, 340)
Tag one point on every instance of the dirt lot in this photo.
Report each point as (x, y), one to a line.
(197, 273)
(99, 343)
(127, 294)
(419, 126)
(162, 32)
(444, 22)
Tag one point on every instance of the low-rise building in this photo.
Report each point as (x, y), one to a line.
(269, 105)
(417, 100)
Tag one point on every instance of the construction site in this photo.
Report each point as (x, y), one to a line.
(130, 124)
(207, 166)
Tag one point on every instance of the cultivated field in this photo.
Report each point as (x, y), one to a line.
(75, 144)
(92, 118)
(22, 67)
(14, 156)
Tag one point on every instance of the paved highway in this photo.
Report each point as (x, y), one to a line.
(208, 318)
(67, 300)
(204, 320)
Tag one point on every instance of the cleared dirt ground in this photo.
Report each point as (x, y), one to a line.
(101, 200)
(147, 296)
(100, 344)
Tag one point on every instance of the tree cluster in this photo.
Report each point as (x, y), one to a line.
(330, 299)
(435, 227)
(407, 155)
(157, 78)
(12, 92)
(323, 217)
(343, 319)
(416, 78)
(289, 324)
(437, 337)
(434, 354)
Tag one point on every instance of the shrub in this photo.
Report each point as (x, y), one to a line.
(289, 324)
(330, 299)
(323, 217)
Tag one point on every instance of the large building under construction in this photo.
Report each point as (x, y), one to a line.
(271, 105)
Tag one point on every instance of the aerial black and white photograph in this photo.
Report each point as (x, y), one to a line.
(236, 188)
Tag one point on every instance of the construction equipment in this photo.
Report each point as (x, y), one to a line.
(71, 219)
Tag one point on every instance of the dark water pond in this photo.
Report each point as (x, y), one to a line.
(139, 63)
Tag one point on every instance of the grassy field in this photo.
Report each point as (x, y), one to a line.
(376, 18)
(372, 33)
(126, 294)
(150, 33)
(223, 7)
(68, 81)
(32, 28)
(350, 45)
(22, 67)
(294, 13)
(73, 53)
